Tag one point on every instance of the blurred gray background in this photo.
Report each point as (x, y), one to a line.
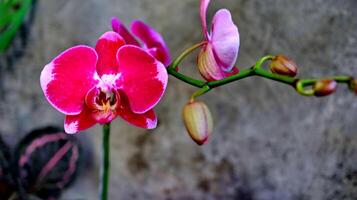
(269, 143)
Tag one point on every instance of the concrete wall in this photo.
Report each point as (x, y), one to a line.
(269, 142)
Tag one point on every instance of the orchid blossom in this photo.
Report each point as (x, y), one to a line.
(218, 56)
(152, 41)
(96, 85)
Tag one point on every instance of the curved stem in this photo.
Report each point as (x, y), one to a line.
(183, 55)
(260, 62)
(200, 92)
(105, 162)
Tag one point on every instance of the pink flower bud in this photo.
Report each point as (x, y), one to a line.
(198, 121)
(324, 87)
(283, 65)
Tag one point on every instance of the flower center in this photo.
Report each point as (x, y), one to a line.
(104, 103)
(106, 100)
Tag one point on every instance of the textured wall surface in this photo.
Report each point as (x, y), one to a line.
(269, 142)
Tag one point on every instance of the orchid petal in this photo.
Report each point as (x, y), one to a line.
(104, 116)
(146, 120)
(143, 78)
(107, 47)
(225, 39)
(80, 122)
(203, 15)
(209, 68)
(234, 71)
(66, 80)
(152, 39)
(119, 27)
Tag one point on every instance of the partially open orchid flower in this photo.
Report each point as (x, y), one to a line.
(151, 40)
(96, 85)
(216, 60)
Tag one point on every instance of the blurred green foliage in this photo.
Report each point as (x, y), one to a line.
(12, 15)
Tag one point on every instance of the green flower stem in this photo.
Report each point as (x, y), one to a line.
(183, 55)
(200, 92)
(276, 77)
(299, 84)
(186, 79)
(261, 61)
(105, 163)
(302, 84)
(242, 74)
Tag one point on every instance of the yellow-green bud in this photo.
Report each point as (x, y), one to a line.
(198, 121)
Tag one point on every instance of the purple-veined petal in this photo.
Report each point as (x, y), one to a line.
(143, 78)
(66, 80)
(203, 15)
(225, 39)
(120, 28)
(107, 47)
(152, 39)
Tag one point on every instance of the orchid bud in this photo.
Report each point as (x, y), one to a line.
(282, 65)
(353, 85)
(198, 121)
(324, 87)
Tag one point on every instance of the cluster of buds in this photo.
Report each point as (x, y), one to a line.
(282, 65)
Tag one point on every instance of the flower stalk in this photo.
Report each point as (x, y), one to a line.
(257, 70)
(105, 168)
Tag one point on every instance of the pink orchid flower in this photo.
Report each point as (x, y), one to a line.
(96, 85)
(216, 60)
(152, 41)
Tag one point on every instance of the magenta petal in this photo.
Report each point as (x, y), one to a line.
(225, 39)
(143, 78)
(107, 47)
(76, 123)
(119, 27)
(152, 39)
(66, 80)
(203, 15)
(146, 120)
